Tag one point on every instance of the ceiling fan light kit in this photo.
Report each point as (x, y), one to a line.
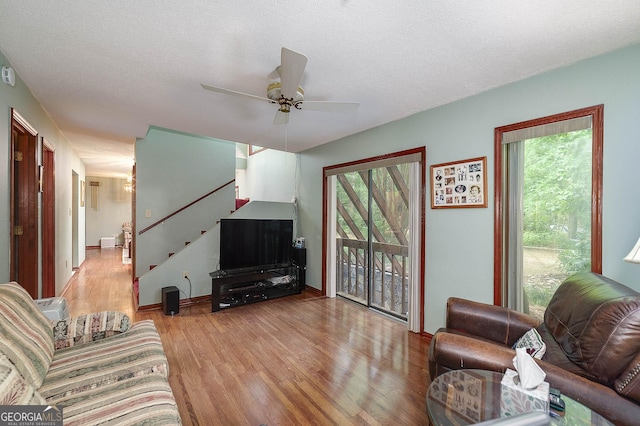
(274, 92)
(287, 92)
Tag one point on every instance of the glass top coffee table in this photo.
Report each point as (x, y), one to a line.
(464, 397)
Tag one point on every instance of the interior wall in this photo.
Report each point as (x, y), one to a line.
(110, 209)
(459, 242)
(271, 176)
(173, 169)
(20, 98)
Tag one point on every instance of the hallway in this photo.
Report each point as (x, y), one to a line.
(102, 283)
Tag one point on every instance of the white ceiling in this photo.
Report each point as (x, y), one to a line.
(106, 70)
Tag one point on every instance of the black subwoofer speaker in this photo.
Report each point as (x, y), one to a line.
(170, 300)
(299, 260)
(299, 256)
(301, 272)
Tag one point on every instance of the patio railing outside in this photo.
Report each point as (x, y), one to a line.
(390, 279)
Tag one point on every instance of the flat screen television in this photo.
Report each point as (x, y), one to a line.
(251, 244)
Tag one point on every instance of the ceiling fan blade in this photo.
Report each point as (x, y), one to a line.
(233, 92)
(327, 106)
(281, 118)
(291, 69)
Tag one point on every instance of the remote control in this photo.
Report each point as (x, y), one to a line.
(556, 402)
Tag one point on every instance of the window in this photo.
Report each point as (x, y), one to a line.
(547, 206)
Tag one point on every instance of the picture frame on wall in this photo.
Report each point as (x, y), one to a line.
(459, 184)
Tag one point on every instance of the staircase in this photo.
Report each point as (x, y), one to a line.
(200, 257)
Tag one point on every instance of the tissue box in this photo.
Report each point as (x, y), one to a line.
(517, 400)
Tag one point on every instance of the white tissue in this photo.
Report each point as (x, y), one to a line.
(529, 373)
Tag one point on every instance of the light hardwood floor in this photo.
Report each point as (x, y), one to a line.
(297, 360)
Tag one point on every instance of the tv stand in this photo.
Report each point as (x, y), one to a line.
(229, 289)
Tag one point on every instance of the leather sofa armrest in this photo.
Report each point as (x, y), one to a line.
(74, 331)
(495, 323)
(450, 351)
(628, 383)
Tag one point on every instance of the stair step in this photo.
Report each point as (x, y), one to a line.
(203, 232)
(152, 266)
(171, 254)
(186, 243)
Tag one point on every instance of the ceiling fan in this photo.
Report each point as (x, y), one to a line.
(287, 92)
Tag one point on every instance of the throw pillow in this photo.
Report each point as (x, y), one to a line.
(86, 328)
(533, 343)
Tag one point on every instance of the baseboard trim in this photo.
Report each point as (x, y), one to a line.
(314, 290)
(184, 303)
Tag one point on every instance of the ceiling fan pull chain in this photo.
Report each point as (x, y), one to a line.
(286, 137)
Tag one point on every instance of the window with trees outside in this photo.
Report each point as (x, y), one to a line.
(548, 206)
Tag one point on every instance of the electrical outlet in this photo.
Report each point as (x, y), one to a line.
(185, 274)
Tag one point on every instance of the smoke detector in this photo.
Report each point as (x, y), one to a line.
(9, 76)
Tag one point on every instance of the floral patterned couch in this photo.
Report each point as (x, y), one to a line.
(99, 367)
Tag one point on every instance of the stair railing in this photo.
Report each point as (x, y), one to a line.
(158, 222)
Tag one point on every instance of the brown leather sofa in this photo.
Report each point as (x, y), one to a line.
(591, 329)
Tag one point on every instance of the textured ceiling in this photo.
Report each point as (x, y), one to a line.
(106, 70)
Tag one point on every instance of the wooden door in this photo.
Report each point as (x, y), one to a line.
(24, 206)
(48, 186)
(132, 246)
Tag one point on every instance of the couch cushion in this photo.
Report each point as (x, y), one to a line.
(77, 369)
(146, 400)
(13, 389)
(556, 356)
(596, 323)
(26, 336)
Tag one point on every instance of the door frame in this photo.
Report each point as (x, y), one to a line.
(24, 201)
(48, 189)
(329, 221)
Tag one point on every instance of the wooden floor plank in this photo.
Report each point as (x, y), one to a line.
(300, 359)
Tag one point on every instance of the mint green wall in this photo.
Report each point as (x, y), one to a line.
(20, 98)
(172, 170)
(459, 242)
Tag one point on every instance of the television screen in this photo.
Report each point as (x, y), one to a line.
(255, 243)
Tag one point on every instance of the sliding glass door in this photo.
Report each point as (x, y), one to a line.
(372, 238)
